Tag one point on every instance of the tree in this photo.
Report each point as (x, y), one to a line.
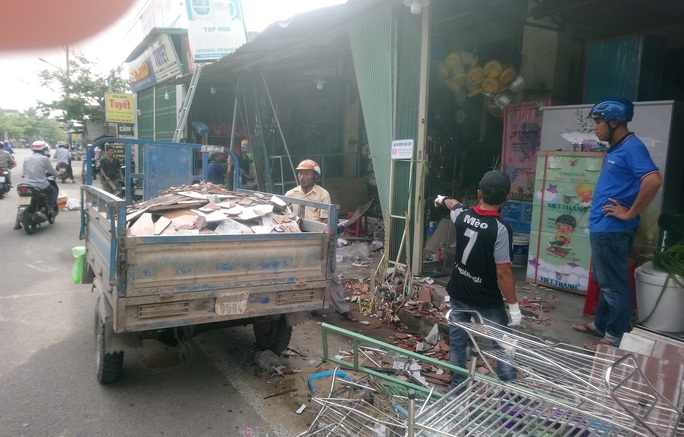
(82, 91)
(30, 125)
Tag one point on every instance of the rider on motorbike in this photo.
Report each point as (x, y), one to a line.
(63, 156)
(36, 168)
(6, 161)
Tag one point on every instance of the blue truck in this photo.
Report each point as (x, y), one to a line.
(171, 287)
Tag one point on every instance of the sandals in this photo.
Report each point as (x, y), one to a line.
(349, 316)
(595, 344)
(588, 328)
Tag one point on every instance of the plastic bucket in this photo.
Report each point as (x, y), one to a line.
(666, 314)
(77, 269)
(521, 244)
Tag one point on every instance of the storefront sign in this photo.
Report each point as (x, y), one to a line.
(215, 28)
(402, 149)
(125, 130)
(157, 64)
(119, 108)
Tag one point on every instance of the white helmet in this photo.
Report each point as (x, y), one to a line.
(38, 146)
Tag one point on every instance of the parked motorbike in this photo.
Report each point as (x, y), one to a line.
(5, 184)
(63, 170)
(33, 209)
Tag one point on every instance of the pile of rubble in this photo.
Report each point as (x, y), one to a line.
(209, 209)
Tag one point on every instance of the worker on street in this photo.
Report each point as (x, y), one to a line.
(482, 276)
(110, 170)
(308, 172)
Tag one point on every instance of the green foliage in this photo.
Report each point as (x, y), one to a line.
(25, 127)
(82, 92)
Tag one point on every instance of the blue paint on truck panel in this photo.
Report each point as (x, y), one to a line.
(201, 287)
(262, 300)
(272, 265)
(225, 267)
(183, 271)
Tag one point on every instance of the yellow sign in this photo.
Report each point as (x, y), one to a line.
(119, 108)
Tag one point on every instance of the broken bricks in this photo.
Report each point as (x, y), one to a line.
(208, 209)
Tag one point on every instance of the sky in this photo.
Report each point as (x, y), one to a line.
(19, 71)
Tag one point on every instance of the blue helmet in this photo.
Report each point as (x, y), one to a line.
(614, 108)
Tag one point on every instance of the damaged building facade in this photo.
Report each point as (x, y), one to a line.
(340, 84)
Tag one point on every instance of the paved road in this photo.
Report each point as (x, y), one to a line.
(47, 371)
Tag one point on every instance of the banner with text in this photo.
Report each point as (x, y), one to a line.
(155, 65)
(119, 108)
(215, 28)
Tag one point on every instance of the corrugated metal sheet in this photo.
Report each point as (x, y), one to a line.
(165, 112)
(387, 65)
(372, 42)
(146, 114)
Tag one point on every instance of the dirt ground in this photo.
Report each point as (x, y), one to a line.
(280, 395)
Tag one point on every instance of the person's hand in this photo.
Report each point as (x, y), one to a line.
(514, 314)
(439, 200)
(617, 210)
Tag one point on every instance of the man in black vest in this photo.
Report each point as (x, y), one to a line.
(482, 276)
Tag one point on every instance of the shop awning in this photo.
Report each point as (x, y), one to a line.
(306, 41)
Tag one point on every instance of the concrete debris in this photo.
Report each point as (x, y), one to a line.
(267, 360)
(209, 209)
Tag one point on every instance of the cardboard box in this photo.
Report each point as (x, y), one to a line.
(61, 201)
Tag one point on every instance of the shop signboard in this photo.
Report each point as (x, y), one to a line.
(156, 64)
(119, 108)
(125, 130)
(216, 28)
(559, 251)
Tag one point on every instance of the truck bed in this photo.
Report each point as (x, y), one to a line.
(166, 281)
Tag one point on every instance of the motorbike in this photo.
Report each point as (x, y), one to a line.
(33, 209)
(63, 170)
(5, 185)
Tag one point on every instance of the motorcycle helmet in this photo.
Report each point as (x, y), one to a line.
(38, 146)
(614, 108)
(309, 164)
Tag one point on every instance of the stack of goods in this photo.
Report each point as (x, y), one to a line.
(495, 80)
(209, 209)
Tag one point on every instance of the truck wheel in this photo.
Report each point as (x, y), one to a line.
(109, 364)
(273, 335)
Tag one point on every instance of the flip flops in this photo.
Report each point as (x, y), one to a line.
(595, 344)
(587, 328)
(349, 316)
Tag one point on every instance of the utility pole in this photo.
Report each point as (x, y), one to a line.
(67, 92)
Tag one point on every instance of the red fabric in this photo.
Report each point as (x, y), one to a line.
(593, 291)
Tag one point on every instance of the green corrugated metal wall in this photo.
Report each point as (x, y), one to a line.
(387, 64)
(146, 114)
(153, 104)
(165, 112)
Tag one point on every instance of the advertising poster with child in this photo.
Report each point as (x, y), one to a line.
(560, 253)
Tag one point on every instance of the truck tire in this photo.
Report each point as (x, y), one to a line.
(273, 335)
(108, 364)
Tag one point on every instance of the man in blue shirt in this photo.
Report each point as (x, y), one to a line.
(217, 168)
(6, 146)
(628, 182)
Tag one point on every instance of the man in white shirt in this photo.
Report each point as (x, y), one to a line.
(308, 172)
